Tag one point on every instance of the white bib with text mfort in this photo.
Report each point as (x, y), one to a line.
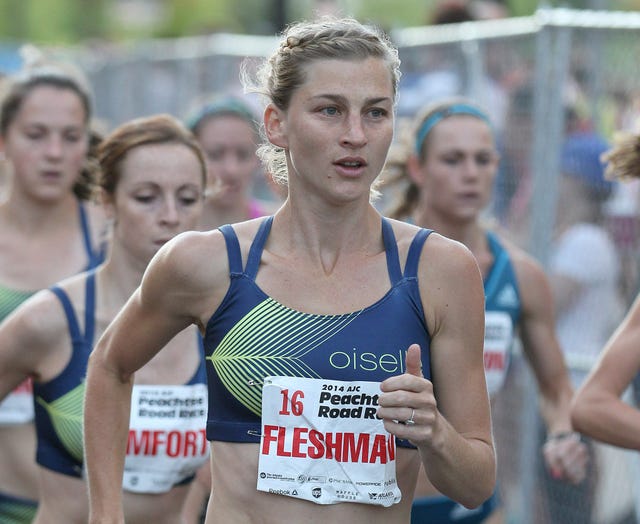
(321, 441)
(167, 437)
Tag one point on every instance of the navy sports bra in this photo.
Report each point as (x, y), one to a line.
(59, 402)
(251, 336)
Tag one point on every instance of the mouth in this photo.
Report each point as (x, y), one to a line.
(51, 174)
(469, 198)
(350, 166)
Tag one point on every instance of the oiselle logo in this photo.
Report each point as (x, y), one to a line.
(368, 361)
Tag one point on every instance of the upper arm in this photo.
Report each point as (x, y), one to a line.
(182, 285)
(453, 298)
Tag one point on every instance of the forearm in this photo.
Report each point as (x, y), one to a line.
(555, 406)
(609, 419)
(106, 427)
(463, 469)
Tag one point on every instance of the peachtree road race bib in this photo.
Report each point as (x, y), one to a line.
(167, 440)
(321, 441)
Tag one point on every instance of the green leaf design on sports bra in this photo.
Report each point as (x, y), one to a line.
(66, 417)
(271, 339)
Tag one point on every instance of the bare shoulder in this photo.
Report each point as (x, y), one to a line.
(190, 274)
(39, 324)
(41, 315)
(190, 262)
(195, 258)
(439, 253)
(447, 257)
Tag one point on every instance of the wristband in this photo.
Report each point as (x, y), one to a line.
(560, 435)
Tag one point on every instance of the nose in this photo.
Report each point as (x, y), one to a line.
(169, 214)
(54, 146)
(231, 165)
(471, 168)
(354, 133)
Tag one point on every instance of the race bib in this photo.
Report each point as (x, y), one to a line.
(321, 441)
(167, 438)
(498, 338)
(17, 407)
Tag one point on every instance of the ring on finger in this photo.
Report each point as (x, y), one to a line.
(411, 422)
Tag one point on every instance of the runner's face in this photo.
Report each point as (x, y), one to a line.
(159, 195)
(47, 142)
(456, 177)
(338, 129)
(229, 145)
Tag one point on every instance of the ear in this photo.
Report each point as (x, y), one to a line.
(275, 126)
(415, 169)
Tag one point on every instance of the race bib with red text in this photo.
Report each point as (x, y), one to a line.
(321, 441)
(167, 441)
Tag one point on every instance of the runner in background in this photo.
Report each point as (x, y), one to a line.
(449, 163)
(227, 129)
(152, 178)
(48, 231)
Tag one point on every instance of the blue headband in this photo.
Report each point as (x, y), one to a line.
(455, 109)
(221, 106)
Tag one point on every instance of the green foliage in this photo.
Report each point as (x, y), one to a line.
(73, 21)
(190, 17)
(393, 14)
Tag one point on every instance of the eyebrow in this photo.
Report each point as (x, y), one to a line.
(343, 99)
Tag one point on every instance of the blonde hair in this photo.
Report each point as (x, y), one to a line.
(302, 43)
(624, 157)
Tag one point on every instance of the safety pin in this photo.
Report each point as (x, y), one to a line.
(258, 382)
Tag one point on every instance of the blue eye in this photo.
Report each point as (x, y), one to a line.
(378, 112)
(331, 111)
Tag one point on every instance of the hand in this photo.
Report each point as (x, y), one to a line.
(407, 405)
(567, 457)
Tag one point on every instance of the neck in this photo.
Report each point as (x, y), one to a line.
(36, 216)
(120, 277)
(327, 238)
